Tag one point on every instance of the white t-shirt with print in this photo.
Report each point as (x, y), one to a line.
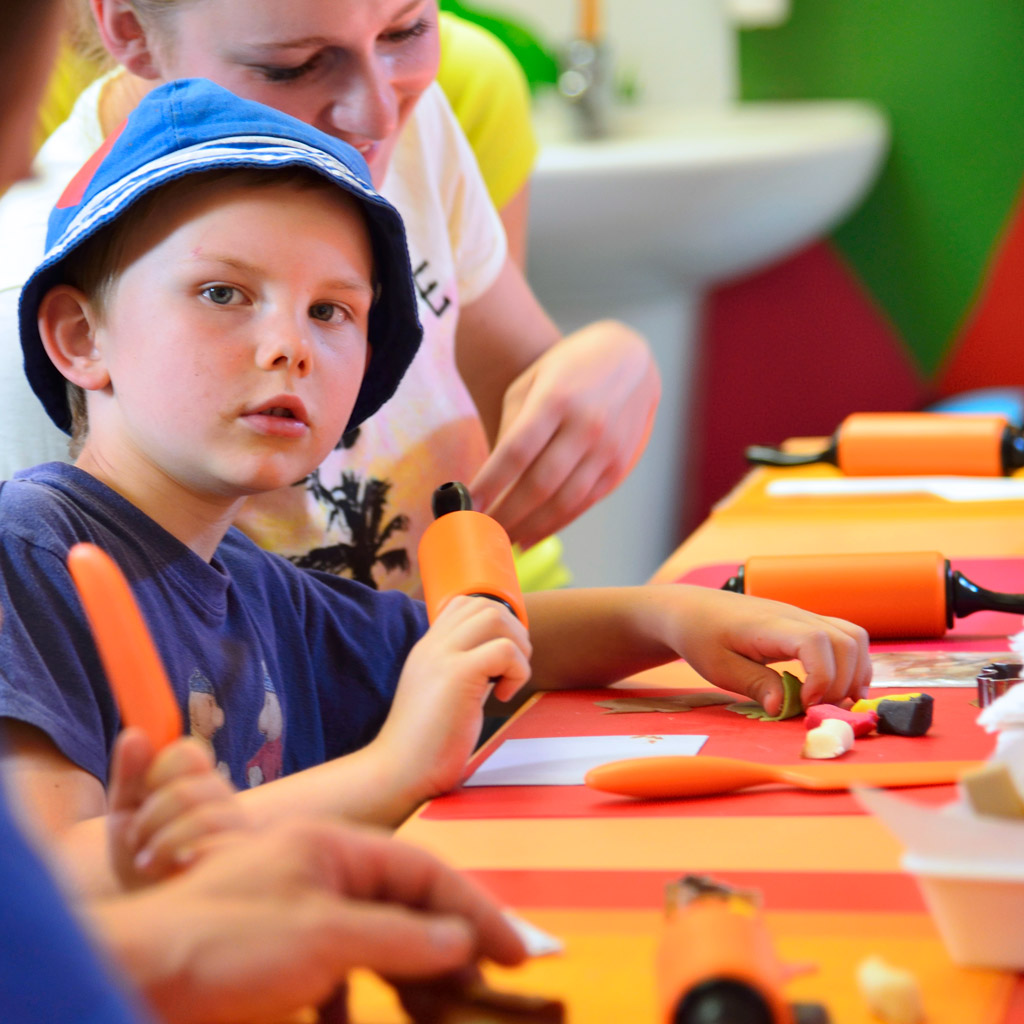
(363, 511)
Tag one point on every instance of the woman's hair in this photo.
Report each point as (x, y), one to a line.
(85, 39)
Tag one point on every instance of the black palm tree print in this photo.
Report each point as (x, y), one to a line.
(361, 504)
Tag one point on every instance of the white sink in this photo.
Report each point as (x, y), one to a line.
(701, 194)
(637, 226)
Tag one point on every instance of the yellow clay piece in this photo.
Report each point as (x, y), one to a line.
(871, 703)
(990, 790)
(892, 993)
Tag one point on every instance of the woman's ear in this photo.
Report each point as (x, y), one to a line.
(125, 37)
(67, 323)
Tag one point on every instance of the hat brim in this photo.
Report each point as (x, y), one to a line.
(394, 330)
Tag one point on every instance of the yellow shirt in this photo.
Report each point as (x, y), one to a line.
(488, 92)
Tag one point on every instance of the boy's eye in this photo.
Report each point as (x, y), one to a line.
(325, 311)
(222, 294)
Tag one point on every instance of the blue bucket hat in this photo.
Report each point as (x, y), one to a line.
(191, 126)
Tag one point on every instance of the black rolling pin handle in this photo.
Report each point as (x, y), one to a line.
(735, 583)
(1012, 449)
(966, 598)
(451, 497)
(765, 455)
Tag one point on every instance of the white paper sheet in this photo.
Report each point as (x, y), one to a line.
(952, 488)
(564, 760)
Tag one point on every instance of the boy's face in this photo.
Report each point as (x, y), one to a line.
(234, 340)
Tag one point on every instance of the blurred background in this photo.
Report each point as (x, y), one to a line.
(913, 294)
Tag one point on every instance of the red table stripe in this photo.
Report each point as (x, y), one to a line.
(825, 892)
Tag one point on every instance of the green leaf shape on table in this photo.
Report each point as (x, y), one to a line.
(678, 702)
(791, 705)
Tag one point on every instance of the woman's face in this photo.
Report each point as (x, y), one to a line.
(352, 68)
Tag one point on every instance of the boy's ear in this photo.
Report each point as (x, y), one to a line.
(67, 326)
(125, 37)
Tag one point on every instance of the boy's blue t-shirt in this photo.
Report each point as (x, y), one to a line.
(48, 972)
(278, 668)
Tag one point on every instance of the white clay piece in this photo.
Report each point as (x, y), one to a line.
(830, 739)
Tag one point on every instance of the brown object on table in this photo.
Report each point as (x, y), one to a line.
(480, 1004)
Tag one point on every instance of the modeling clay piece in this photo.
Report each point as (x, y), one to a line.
(990, 790)
(892, 994)
(862, 722)
(791, 705)
(830, 739)
(871, 703)
(906, 717)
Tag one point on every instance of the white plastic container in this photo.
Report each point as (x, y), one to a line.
(978, 907)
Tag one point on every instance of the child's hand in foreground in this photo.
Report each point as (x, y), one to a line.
(160, 807)
(435, 718)
(730, 639)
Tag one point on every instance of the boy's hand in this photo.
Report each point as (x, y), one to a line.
(572, 426)
(435, 718)
(730, 638)
(161, 807)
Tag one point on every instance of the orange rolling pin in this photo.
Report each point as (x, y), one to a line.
(133, 666)
(716, 961)
(912, 444)
(892, 595)
(466, 552)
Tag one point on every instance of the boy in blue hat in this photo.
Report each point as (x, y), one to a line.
(223, 296)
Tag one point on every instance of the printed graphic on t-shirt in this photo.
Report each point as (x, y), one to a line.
(359, 503)
(205, 715)
(265, 764)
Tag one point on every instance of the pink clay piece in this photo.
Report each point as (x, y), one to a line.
(862, 722)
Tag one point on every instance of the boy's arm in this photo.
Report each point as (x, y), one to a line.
(595, 637)
(60, 805)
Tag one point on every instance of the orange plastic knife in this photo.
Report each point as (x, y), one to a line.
(659, 777)
(132, 663)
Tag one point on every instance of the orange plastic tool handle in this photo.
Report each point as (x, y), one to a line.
(921, 444)
(893, 594)
(136, 674)
(663, 777)
(712, 939)
(468, 552)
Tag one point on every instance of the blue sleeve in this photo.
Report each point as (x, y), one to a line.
(48, 972)
(369, 633)
(50, 673)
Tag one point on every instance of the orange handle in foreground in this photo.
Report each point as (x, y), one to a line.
(893, 594)
(700, 775)
(921, 444)
(133, 666)
(719, 941)
(467, 552)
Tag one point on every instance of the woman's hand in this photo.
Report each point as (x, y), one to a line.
(573, 424)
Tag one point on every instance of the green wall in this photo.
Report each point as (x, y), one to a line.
(950, 75)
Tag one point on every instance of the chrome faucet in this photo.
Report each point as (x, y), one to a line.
(585, 83)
